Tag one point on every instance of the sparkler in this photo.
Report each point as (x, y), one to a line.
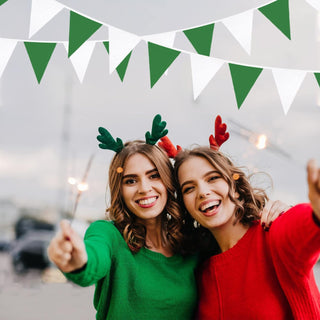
(83, 186)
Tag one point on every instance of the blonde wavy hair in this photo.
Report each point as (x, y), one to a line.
(133, 231)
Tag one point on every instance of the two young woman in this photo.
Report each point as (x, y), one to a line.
(137, 261)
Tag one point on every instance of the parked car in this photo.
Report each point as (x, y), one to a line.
(29, 249)
(26, 224)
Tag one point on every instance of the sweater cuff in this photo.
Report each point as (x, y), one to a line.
(79, 270)
(315, 219)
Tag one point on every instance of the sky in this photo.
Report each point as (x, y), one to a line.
(48, 131)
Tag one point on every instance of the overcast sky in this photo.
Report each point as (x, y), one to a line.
(48, 131)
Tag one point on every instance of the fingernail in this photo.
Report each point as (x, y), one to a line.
(263, 224)
(281, 213)
(266, 228)
(270, 224)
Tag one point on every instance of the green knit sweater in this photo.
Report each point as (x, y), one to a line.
(145, 285)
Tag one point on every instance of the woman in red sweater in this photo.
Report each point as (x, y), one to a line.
(250, 274)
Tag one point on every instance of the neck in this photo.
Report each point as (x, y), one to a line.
(228, 236)
(155, 238)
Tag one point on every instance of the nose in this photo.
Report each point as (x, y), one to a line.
(204, 191)
(144, 186)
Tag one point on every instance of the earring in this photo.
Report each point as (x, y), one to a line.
(196, 224)
(169, 217)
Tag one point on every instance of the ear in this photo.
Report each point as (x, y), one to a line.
(236, 195)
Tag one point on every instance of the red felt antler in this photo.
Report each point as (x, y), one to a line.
(220, 133)
(168, 147)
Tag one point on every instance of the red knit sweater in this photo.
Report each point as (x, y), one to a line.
(266, 275)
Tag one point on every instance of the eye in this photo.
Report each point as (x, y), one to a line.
(187, 190)
(129, 181)
(155, 176)
(213, 178)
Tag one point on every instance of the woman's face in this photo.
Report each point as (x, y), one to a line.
(142, 189)
(205, 193)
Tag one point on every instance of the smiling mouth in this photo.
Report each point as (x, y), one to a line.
(147, 201)
(210, 206)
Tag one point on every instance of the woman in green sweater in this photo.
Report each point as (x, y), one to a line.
(135, 259)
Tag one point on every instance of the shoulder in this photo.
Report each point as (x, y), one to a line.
(103, 228)
(297, 213)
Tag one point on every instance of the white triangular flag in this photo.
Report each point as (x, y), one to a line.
(203, 70)
(165, 39)
(288, 83)
(120, 45)
(6, 49)
(42, 11)
(81, 58)
(314, 3)
(240, 26)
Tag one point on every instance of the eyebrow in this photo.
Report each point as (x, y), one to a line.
(205, 175)
(135, 175)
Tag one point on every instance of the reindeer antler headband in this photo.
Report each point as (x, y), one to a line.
(158, 131)
(220, 136)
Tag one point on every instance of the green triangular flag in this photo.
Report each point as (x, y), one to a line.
(317, 75)
(80, 30)
(122, 67)
(243, 79)
(201, 38)
(39, 55)
(278, 13)
(2, 2)
(160, 58)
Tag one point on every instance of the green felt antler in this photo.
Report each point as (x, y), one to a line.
(157, 131)
(107, 141)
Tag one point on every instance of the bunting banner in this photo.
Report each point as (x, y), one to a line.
(317, 75)
(81, 58)
(314, 3)
(161, 49)
(7, 47)
(160, 59)
(42, 11)
(122, 67)
(80, 30)
(288, 79)
(240, 27)
(203, 70)
(243, 79)
(39, 55)
(121, 44)
(278, 13)
(201, 38)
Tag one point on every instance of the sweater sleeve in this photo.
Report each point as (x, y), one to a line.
(99, 240)
(295, 238)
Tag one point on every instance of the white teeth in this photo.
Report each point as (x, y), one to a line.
(209, 204)
(147, 201)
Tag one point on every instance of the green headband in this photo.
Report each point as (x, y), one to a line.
(158, 131)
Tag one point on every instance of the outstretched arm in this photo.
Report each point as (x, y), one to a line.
(67, 250)
(314, 187)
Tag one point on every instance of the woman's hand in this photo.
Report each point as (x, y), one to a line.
(314, 186)
(271, 211)
(67, 250)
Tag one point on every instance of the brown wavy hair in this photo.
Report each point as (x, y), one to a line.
(133, 231)
(248, 205)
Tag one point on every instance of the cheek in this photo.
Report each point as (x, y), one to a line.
(125, 194)
(187, 200)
